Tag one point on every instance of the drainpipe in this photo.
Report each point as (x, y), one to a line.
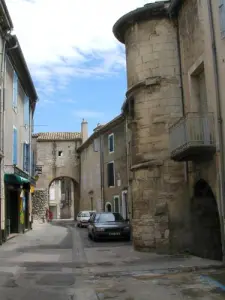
(2, 78)
(219, 122)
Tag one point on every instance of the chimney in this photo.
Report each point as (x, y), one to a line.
(84, 130)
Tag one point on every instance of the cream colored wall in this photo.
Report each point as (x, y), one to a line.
(90, 179)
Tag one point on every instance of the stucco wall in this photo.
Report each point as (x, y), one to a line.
(90, 177)
(119, 157)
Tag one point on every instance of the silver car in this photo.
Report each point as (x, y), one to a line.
(83, 218)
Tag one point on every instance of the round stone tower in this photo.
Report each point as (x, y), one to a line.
(153, 103)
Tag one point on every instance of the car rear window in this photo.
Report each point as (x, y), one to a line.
(85, 215)
(113, 217)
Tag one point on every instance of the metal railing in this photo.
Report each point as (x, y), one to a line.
(193, 130)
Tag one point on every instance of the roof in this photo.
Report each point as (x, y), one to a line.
(102, 129)
(174, 6)
(19, 63)
(57, 136)
(5, 20)
(150, 10)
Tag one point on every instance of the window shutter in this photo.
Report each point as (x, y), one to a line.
(24, 156)
(26, 111)
(110, 167)
(28, 158)
(14, 146)
(15, 89)
(222, 18)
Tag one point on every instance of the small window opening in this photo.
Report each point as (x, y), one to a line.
(60, 153)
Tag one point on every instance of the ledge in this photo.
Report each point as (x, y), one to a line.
(148, 11)
(147, 164)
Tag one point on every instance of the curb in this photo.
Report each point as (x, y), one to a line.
(159, 272)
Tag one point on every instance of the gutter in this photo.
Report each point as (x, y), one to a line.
(6, 14)
(219, 125)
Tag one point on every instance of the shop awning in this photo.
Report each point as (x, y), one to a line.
(15, 179)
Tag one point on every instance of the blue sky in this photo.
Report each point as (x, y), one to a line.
(77, 65)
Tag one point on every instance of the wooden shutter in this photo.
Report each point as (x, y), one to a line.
(15, 146)
(15, 89)
(26, 111)
(222, 18)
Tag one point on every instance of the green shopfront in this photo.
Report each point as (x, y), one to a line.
(17, 202)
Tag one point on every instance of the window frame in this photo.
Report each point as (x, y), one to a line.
(111, 135)
(114, 177)
(116, 197)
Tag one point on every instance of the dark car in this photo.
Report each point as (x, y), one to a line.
(108, 225)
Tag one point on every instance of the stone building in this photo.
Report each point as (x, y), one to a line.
(115, 166)
(103, 159)
(90, 171)
(58, 165)
(174, 107)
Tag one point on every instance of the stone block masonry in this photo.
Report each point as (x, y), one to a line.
(157, 184)
(39, 204)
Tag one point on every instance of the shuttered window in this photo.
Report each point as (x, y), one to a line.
(26, 157)
(110, 173)
(15, 89)
(116, 204)
(26, 111)
(222, 18)
(15, 146)
(111, 142)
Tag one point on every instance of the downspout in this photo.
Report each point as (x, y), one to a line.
(2, 78)
(181, 86)
(219, 123)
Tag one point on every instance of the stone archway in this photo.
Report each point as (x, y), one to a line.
(63, 197)
(205, 223)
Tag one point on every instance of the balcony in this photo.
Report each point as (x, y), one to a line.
(192, 137)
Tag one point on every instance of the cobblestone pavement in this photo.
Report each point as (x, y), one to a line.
(57, 261)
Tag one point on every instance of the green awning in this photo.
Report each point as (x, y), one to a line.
(15, 179)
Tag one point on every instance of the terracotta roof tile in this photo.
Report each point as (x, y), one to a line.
(57, 136)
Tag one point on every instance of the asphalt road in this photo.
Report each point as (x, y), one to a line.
(58, 261)
(88, 243)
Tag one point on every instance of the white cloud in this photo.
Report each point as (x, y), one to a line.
(88, 114)
(62, 39)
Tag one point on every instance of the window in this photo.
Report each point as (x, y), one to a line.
(222, 18)
(15, 89)
(116, 204)
(111, 143)
(15, 138)
(60, 153)
(26, 111)
(26, 157)
(96, 145)
(111, 174)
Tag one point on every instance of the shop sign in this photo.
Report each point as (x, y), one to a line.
(31, 189)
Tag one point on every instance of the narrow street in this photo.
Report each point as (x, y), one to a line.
(58, 262)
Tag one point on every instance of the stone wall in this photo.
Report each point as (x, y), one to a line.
(39, 204)
(160, 220)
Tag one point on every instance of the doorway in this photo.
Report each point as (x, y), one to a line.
(12, 211)
(108, 207)
(205, 222)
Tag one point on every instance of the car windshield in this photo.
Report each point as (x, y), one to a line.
(112, 217)
(85, 215)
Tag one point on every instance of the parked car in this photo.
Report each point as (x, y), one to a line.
(83, 218)
(108, 225)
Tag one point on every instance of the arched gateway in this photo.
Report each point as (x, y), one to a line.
(205, 223)
(63, 197)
